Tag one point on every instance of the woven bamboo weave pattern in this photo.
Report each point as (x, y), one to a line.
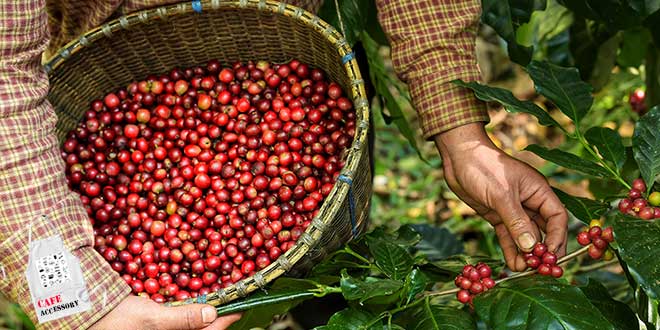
(188, 34)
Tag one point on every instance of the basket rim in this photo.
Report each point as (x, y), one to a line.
(341, 188)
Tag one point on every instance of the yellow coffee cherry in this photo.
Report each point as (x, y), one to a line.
(595, 223)
(608, 255)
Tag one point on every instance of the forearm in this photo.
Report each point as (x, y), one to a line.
(32, 182)
(433, 43)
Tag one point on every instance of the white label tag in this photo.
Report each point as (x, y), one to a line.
(55, 279)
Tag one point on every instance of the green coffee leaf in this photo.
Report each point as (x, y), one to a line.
(352, 319)
(538, 302)
(584, 209)
(564, 87)
(435, 317)
(646, 145)
(407, 235)
(505, 17)
(570, 161)
(609, 144)
(639, 247)
(509, 102)
(618, 313)
(437, 243)
(416, 282)
(362, 290)
(260, 308)
(392, 259)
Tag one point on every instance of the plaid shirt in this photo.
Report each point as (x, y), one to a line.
(432, 44)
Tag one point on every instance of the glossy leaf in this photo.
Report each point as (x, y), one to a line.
(391, 258)
(639, 247)
(437, 243)
(548, 32)
(407, 235)
(370, 287)
(646, 145)
(609, 144)
(538, 302)
(584, 209)
(352, 319)
(504, 17)
(416, 282)
(618, 313)
(334, 265)
(435, 317)
(562, 86)
(570, 161)
(260, 307)
(508, 101)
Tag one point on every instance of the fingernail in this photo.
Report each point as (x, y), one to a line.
(526, 241)
(208, 315)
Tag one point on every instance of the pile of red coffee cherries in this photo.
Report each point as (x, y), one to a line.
(196, 179)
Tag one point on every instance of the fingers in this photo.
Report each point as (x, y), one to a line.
(520, 227)
(536, 218)
(223, 322)
(556, 218)
(188, 317)
(552, 210)
(514, 260)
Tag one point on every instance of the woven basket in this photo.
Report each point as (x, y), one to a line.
(188, 34)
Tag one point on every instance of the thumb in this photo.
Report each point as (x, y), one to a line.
(187, 317)
(519, 225)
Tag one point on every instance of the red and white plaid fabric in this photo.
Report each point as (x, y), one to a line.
(432, 44)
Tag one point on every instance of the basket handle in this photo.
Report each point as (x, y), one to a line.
(341, 21)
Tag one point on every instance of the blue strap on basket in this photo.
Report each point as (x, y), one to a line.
(201, 299)
(351, 202)
(348, 57)
(197, 6)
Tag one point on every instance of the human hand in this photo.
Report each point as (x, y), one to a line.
(137, 313)
(512, 196)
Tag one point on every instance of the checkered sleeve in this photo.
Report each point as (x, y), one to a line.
(433, 43)
(32, 182)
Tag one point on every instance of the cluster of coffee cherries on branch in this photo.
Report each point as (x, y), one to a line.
(638, 206)
(474, 280)
(196, 179)
(544, 261)
(598, 238)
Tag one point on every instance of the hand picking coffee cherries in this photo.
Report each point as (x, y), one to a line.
(473, 281)
(636, 205)
(598, 238)
(544, 261)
